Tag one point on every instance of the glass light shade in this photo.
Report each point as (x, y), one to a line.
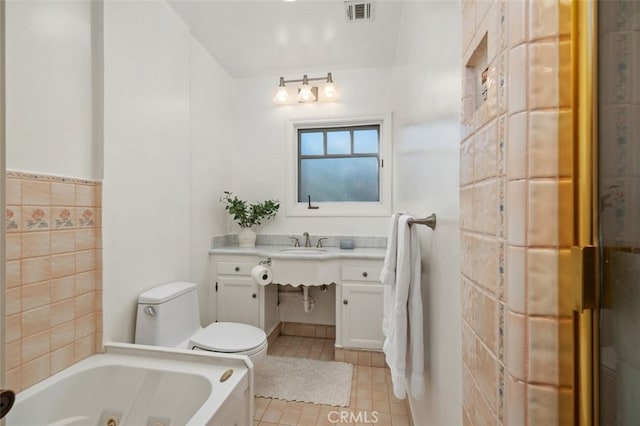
(329, 91)
(305, 94)
(282, 95)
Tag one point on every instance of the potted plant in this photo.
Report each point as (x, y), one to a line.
(247, 215)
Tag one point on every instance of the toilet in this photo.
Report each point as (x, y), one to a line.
(168, 315)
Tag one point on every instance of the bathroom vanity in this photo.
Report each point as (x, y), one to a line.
(355, 273)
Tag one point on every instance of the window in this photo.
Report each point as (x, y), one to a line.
(342, 165)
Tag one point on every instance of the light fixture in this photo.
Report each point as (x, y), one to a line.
(306, 92)
(282, 95)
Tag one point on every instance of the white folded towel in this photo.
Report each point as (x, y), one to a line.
(404, 346)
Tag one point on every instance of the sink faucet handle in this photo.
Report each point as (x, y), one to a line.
(297, 243)
(319, 245)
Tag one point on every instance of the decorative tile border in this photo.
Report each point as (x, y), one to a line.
(50, 178)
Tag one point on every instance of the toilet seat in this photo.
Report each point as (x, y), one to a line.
(230, 337)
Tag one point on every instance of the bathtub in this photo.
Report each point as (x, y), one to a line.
(141, 385)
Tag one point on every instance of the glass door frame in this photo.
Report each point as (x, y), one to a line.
(585, 190)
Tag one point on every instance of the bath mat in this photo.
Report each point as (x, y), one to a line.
(301, 379)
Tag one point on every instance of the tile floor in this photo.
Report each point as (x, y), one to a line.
(372, 399)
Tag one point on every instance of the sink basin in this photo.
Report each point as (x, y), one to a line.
(303, 250)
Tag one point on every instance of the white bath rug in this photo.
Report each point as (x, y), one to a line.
(307, 380)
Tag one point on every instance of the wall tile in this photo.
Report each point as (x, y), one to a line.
(565, 291)
(14, 327)
(36, 269)
(485, 367)
(565, 208)
(13, 301)
(36, 193)
(516, 212)
(35, 321)
(13, 274)
(542, 282)
(543, 140)
(481, 313)
(35, 371)
(517, 147)
(63, 194)
(515, 346)
(549, 405)
(62, 312)
(517, 79)
(516, 27)
(62, 358)
(35, 295)
(36, 244)
(86, 282)
(63, 265)
(486, 152)
(515, 389)
(543, 17)
(13, 354)
(62, 335)
(35, 346)
(486, 263)
(475, 403)
(63, 242)
(13, 246)
(86, 261)
(85, 195)
(85, 217)
(516, 279)
(62, 288)
(485, 207)
(550, 351)
(466, 162)
(542, 229)
(85, 347)
(35, 218)
(14, 191)
(63, 217)
(466, 208)
(13, 219)
(564, 74)
(85, 239)
(543, 73)
(85, 304)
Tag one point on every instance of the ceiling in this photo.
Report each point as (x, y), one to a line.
(276, 37)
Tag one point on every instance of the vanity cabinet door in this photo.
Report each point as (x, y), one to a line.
(362, 312)
(238, 300)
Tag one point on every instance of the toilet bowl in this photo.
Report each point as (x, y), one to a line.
(168, 315)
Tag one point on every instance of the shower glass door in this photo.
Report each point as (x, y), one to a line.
(619, 211)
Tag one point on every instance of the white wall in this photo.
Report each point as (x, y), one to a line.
(212, 139)
(426, 80)
(146, 156)
(260, 145)
(49, 89)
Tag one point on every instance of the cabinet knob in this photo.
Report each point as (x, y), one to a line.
(237, 268)
(364, 274)
(254, 295)
(345, 302)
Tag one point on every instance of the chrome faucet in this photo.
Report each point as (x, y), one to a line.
(307, 240)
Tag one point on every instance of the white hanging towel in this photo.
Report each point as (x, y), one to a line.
(403, 345)
(388, 273)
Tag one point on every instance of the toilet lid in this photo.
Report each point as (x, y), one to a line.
(229, 337)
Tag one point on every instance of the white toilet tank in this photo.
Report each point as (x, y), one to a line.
(168, 315)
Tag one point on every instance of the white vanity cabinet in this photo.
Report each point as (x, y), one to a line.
(361, 305)
(237, 297)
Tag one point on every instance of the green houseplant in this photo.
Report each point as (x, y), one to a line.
(247, 215)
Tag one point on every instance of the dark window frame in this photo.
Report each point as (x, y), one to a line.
(324, 130)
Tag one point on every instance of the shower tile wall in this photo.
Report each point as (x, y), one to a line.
(515, 170)
(54, 275)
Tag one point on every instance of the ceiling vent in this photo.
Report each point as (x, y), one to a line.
(359, 10)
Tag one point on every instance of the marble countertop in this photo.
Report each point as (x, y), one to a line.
(290, 252)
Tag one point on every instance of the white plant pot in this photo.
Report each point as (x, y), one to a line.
(246, 238)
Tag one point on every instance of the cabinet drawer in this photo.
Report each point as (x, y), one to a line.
(234, 268)
(366, 273)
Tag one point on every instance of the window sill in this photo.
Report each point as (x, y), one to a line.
(338, 209)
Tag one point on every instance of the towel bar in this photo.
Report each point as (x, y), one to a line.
(430, 221)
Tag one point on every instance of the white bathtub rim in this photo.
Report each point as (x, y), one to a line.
(151, 357)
